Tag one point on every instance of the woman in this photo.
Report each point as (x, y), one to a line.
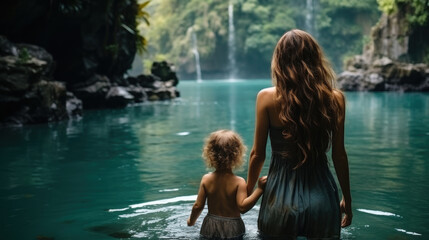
(303, 115)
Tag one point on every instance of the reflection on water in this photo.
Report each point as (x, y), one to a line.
(134, 172)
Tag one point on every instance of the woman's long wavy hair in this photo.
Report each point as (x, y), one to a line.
(304, 80)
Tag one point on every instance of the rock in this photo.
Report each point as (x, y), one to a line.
(350, 81)
(390, 37)
(164, 71)
(147, 81)
(28, 93)
(118, 97)
(43, 102)
(84, 37)
(382, 66)
(38, 53)
(17, 76)
(47, 101)
(7, 48)
(156, 87)
(93, 92)
(138, 93)
(385, 75)
(73, 106)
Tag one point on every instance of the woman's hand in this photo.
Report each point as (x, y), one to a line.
(262, 181)
(346, 208)
(189, 222)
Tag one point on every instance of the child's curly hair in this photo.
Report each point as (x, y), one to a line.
(224, 150)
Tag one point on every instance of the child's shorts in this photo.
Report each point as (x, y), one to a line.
(218, 227)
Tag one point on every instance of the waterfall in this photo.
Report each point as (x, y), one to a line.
(197, 56)
(231, 42)
(309, 17)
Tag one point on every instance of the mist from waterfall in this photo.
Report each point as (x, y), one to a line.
(197, 56)
(231, 42)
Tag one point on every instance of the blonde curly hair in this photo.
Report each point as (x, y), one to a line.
(224, 150)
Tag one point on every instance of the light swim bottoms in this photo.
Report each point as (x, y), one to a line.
(218, 227)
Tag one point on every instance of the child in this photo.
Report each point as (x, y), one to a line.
(226, 193)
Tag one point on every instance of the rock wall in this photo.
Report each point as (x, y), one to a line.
(390, 61)
(28, 93)
(52, 51)
(84, 37)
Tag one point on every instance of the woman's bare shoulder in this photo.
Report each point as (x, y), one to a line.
(266, 94)
(267, 91)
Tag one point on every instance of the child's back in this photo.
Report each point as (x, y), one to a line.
(221, 189)
(225, 192)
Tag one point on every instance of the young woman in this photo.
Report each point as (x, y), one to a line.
(304, 116)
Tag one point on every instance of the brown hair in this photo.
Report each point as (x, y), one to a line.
(304, 80)
(224, 150)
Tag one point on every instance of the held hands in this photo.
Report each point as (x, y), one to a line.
(189, 222)
(346, 208)
(262, 181)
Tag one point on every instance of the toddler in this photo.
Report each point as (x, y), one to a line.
(225, 192)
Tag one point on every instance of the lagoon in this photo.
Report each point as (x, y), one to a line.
(134, 172)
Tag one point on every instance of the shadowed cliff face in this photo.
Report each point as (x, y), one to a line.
(394, 60)
(54, 50)
(85, 37)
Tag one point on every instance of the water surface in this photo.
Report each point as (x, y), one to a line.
(134, 172)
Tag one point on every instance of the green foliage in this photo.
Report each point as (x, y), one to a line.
(23, 56)
(339, 24)
(420, 11)
(142, 19)
(419, 14)
(387, 6)
(342, 26)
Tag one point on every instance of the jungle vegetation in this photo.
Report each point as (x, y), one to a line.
(340, 26)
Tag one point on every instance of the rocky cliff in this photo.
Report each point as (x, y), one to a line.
(392, 61)
(28, 93)
(68, 55)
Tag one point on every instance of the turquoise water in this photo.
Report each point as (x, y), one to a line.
(134, 172)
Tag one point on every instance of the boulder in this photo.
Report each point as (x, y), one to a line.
(17, 75)
(164, 71)
(45, 101)
(73, 106)
(138, 93)
(386, 75)
(93, 92)
(118, 97)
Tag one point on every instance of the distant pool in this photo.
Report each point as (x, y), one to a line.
(134, 172)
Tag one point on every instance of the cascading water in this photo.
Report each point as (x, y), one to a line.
(309, 17)
(197, 56)
(231, 42)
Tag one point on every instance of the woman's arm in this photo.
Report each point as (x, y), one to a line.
(245, 203)
(199, 204)
(257, 155)
(339, 158)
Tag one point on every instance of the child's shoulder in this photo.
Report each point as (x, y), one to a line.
(239, 178)
(207, 176)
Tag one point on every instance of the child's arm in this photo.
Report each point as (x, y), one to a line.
(199, 204)
(245, 203)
